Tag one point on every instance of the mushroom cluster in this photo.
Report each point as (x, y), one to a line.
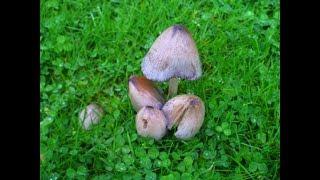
(172, 56)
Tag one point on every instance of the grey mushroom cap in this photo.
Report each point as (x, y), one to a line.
(90, 115)
(173, 54)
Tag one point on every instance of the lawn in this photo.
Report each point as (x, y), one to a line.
(88, 51)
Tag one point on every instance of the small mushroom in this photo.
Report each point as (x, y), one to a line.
(90, 115)
(187, 112)
(173, 55)
(143, 92)
(151, 122)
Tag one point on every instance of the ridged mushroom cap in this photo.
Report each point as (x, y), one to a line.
(173, 54)
(187, 112)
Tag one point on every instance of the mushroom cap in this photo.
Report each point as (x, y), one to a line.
(143, 92)
(90, 115)
(173, 54)
(151, 122)
(186, 111)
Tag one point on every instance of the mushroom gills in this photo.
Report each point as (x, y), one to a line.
(186, 112)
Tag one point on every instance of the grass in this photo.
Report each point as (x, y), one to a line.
(89, 49)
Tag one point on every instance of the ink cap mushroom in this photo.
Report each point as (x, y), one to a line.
(187, 112)
(90, 115)
(173, 55)
(151, 122)
(143, 92)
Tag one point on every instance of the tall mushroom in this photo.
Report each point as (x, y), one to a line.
(173, 55)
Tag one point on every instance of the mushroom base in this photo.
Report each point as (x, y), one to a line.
(173, 87)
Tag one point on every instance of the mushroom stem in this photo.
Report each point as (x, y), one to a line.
(173, 86)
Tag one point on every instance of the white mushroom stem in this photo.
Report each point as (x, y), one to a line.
(173, 86)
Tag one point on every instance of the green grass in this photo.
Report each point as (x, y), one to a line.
(89, 49)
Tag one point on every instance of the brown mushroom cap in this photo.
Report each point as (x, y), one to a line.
(143, 92)
(173, 54)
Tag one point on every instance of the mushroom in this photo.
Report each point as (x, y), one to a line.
(187, 112)
(143, 92)
(90, 115)
(173, 55)
(151, 122)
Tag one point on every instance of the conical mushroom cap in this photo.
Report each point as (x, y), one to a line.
(173, 54)
(143, 92)
(187, 112)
